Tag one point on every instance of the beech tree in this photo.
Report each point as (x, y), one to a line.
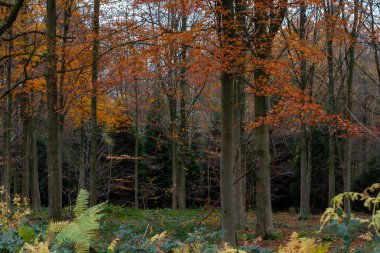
(267, 18)
(94, 83)
(52, 106)
(227, 161)
(190, 104)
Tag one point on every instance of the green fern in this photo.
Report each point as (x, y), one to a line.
(82, 230)
(81, 202)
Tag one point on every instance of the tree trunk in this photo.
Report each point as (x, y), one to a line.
(36, 195)
(305, 170)
(26, 145)
(264, 34)
(374, 43)
(331, 168)
(82, 171)
(263, 192)
(174, 149)
(94, 124)
(305, 175)
(228, 154)
(60, 156)
(329, 10)
(239, 170)
(136, 183)
(66, 25)
(52, 105)
(348, 142)
(5, 178)
(227, 161)
(183, 123)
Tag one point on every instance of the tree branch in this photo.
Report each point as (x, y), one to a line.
(12, 16)
(6, 3)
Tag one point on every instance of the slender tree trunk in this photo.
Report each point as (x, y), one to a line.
(329, 10)
(182, 159)
(136, 183)
(52, 104)
(183, 123)
(36, 195)
(374, 43)
(174, 149)
(26, 145)
(305, 175)
(60, 157)
(61, 118)
(244, 179)
(94, 124)
(15, 181)
(82, 172)
(109, 180)
(5, 178)
(305, 170)
(377, 61)
(364, 140)
(331, 163)
(239, 170)
(348, 142)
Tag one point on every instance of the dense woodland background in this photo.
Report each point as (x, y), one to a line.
(265, 105)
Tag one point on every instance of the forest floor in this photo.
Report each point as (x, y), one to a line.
(131, 225)
(182, 224)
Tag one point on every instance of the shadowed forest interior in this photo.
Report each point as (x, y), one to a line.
(190, 126)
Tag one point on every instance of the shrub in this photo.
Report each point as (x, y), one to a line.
(302, 245)
(350, 227)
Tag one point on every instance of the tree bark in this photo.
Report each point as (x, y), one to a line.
(265, 31)
(183, 122)
(174, 149)
(239, 172)
(36, 195)
(374, 43)
(82, 172)
(227, 160)
(52, 105)
(61, 118)
(26, 145)
(348, 142)
(5, 179)
(136, 182)
(239, 169)
(7, 23)
(263, 191)
(305, 170)
(305, 175)
(94, 124)
(331, 164)
(329, 12)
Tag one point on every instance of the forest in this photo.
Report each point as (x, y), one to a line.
(190, 126)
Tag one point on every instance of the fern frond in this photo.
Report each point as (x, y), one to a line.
(82, 230)
(56, 227)
(81, 203)
(112, 246)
